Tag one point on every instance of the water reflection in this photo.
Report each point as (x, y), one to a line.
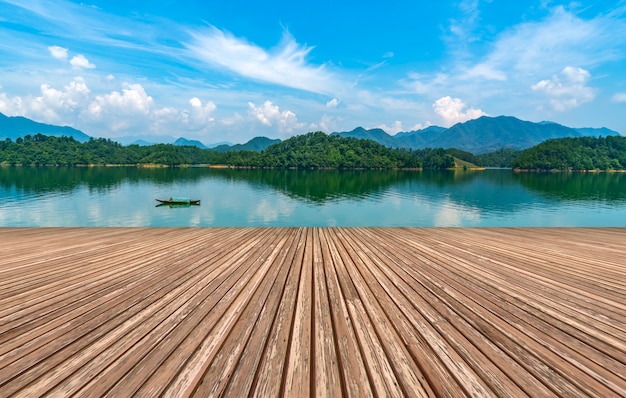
(608, 187)
(124, 196)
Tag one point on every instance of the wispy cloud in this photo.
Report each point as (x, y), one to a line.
(561, 39)
(568, 89)
(619, 97)
(284, 65)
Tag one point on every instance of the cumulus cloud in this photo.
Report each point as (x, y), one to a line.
(121, 110)
(453, 110)
(11, 106)
(199, 115)
(395, 128)
(332, 103)
(619, 97)
(58, 52)
(284, 65)
(568, 89)
(80, 61)
(270, 115)
(53, 105)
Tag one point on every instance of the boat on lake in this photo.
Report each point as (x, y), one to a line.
(176, 200)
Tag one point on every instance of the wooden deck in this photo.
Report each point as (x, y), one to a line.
(312, 312)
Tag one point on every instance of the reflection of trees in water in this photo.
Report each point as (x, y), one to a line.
(576, 186)
(324, 185)
(319, 185)
(63, 179)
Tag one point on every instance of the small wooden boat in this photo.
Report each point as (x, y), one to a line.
(175, 200)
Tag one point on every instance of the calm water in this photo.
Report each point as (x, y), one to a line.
(38, 197)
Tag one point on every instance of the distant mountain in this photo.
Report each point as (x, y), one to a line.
(145, 140)
(14, 127)
(140, 143)
(418, 138)
(488, 134)
(596, 132)
(216, 144)
(478, 136)
(185, 142)
(256, 144)
(378, 135)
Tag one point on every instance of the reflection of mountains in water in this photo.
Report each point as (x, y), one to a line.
(496, 189)
(609, 187)
(319, 186)
(64, 179)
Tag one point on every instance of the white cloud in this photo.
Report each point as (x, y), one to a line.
(568, 89)
(562, 38)
(122, 110)
(619, 97)
(421, 126)
(485, 71)
(270, 115)
(200, 115)
(326, 124)
(332, 103)
(79, 61)
(453, 110)
(285, 65)
(421, 84)
(11, 106)
(395, 128)
(54, 105)
(58, 52)
(463, 29)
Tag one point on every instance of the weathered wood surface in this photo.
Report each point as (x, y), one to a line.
(312, 312)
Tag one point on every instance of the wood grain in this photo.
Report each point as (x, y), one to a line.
(322, 312)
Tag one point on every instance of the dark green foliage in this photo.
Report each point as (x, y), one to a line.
(584, 153)
(437, 158)
(318, 150)
(313, 150)
(44, 150)
(501, 158)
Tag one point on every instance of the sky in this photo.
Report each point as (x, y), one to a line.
(229, 71)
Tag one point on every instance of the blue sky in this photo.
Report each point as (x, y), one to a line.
(230, 71)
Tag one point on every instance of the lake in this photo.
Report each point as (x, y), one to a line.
(125, 196)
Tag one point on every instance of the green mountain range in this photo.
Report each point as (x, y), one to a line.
(478, 136)
(256, 144)
(483, 135)
(14, 127)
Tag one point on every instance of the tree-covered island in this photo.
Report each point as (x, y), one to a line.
(317, 151)
(309, 151)
(575, 154)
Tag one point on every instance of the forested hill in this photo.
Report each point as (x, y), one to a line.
(583, 153)
(312, 150)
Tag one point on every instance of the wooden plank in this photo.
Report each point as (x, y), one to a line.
(313, 311)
